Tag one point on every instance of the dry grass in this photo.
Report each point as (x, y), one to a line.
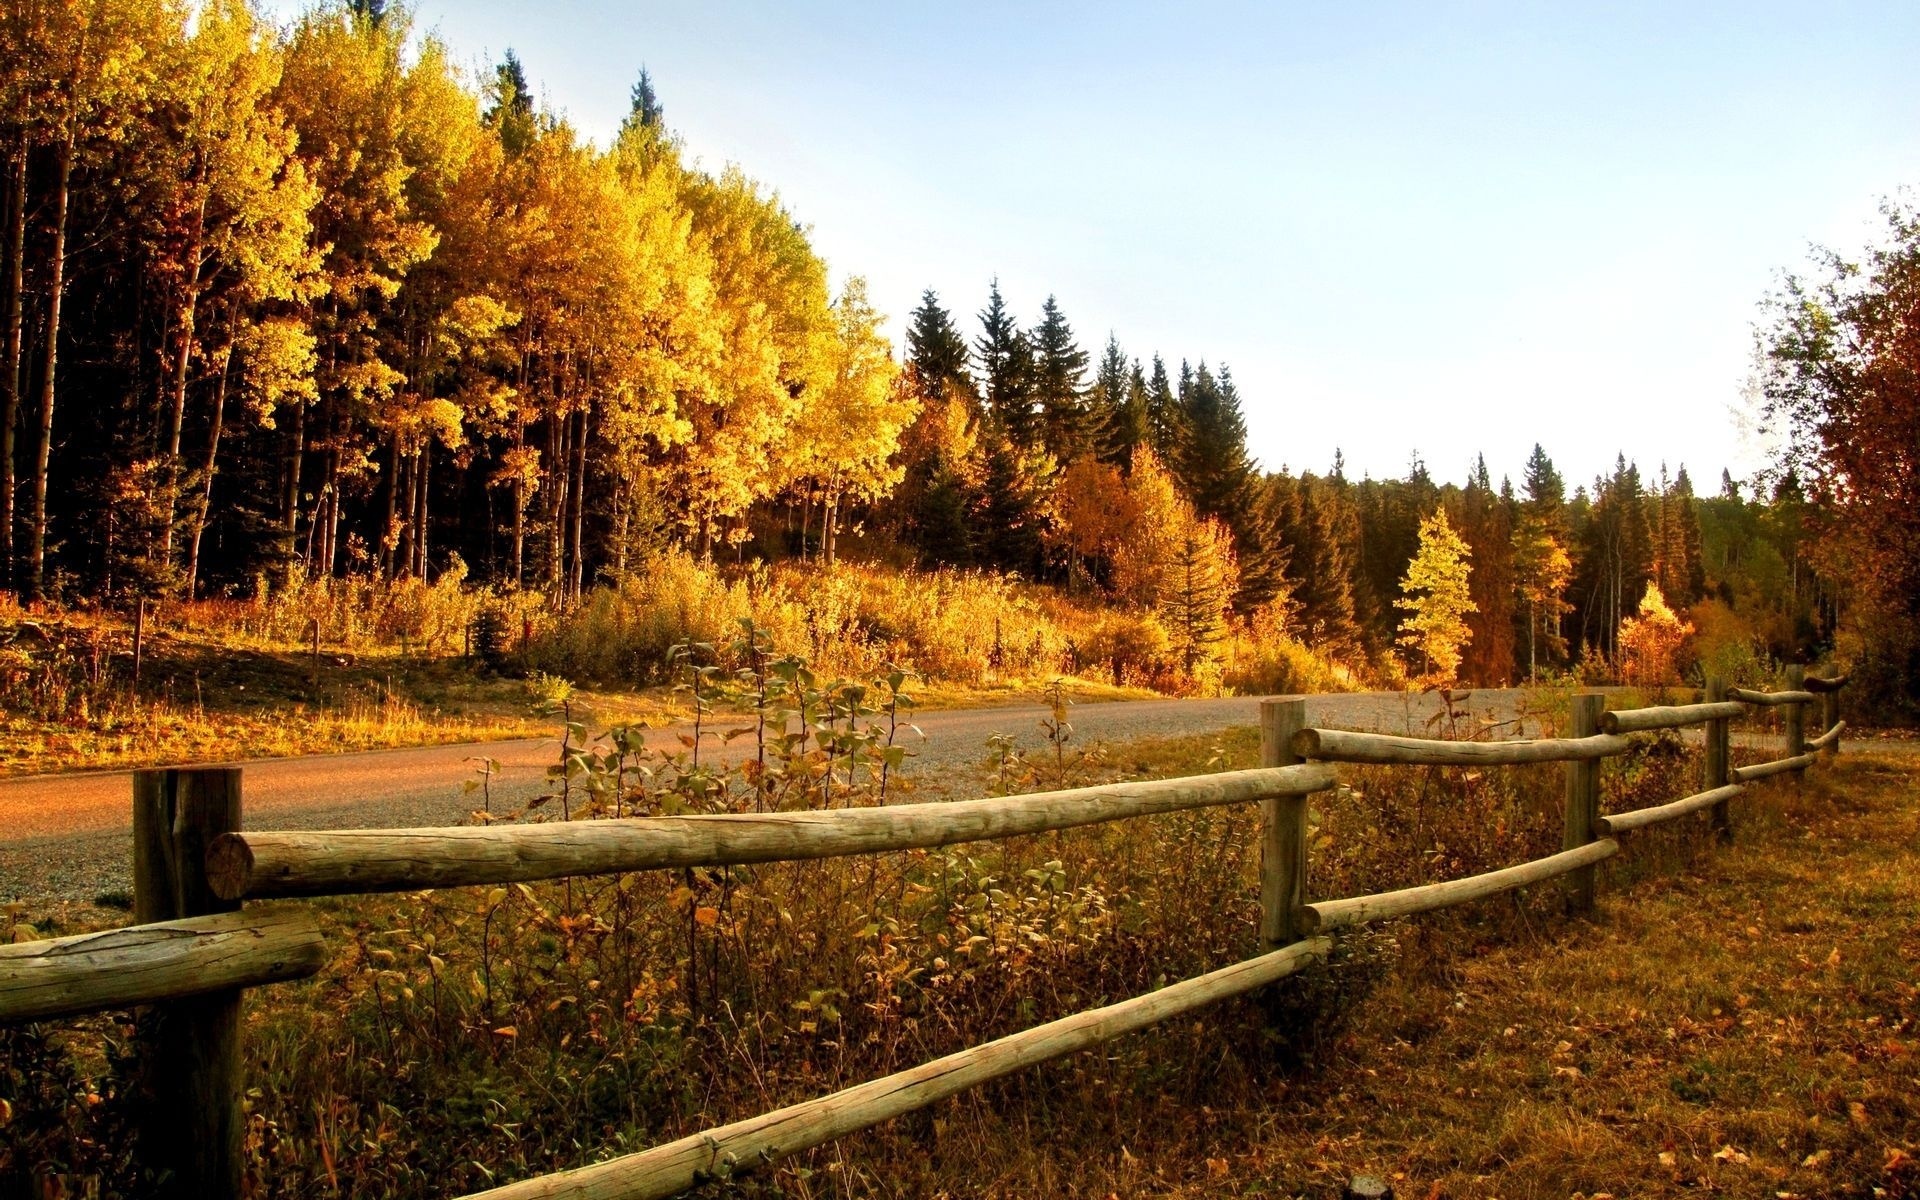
(1755, 1003)
(1748, 1026)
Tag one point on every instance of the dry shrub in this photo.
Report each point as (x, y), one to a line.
(847, 619)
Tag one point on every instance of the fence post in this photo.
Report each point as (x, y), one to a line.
(1583, 797)
(190, 1121)
(1829, 717)
(1283, 826)
(1797, 718)
(1716, 762)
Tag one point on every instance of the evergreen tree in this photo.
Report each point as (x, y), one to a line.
(936, 349)
(1006, 369)
(1116, 427)
(1219, 478)
(1127, 428)
(1009, 514)
(1058, 383)
(1318, 571)
(1616, 557)
(511, 113)
(644, 106)
(1487, 528)
(1165, 431)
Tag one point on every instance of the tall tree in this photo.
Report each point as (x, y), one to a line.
(1838, 379)
(227, 228)
(1486, 526)
(1006, 369)
(1058, 385)
(849, 458)
(88, 68)
(644, 105)
(1166, 428)
(937, 350)
(1319, 572)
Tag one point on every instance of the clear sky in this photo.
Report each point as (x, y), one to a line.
(1436, 227)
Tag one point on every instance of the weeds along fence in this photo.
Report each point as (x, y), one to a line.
(195, 948)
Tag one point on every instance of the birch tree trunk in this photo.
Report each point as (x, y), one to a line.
(43, 449)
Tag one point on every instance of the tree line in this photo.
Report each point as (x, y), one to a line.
(307, 301)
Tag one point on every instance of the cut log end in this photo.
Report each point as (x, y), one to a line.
(229, 866)
(1305, 743)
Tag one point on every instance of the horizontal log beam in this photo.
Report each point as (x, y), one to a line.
(733, 1149)
(1343, 745)
(1329, 915)
(167, 960)
(1675, 716)
(387, 860)
(1779, 766)
(1769, 699)
(1640, 818)
(1815, 684)
(1828, 738)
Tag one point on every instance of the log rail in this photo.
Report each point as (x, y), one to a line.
(194, 865)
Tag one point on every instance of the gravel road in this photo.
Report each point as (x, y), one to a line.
(66, 837)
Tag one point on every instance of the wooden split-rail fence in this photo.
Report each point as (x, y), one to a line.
(195, 948)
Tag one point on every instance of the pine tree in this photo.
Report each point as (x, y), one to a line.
(512, 111)
(936, 350)
(1116, 421)
(1010, 511)
(1006, 369)
(1487, 529)
(1128, 428)
(644, 106)
(1166, 431)
(1436, 595)
(1058, 383)
(1318, 572)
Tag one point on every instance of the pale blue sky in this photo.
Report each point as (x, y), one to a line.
(1442, 227)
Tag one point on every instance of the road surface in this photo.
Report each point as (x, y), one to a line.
(67, 836)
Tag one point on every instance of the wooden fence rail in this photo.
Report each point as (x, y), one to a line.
(194, 949)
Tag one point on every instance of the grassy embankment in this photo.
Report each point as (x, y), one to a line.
(1740, 1020)
(397, 663)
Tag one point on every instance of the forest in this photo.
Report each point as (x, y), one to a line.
(291, 304)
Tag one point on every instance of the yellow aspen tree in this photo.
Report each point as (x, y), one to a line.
(348, 90)
(853, 427)
(1435, 596)
(228, 209)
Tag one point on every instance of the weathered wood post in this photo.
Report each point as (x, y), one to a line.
(1829, 717)
(1283, 829)
(1716, 759)
(190, 1124)
(1583, 797)
(1797, 718)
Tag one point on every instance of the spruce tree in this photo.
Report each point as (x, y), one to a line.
(936, 349)
(1059, 370)
(1009, 510)
(1319, 571)
(1128, 427)
(1006, 369)
(1219, 477)
(1487, 528)
(939, 524)
(644, 105)
(1165, 429)
(511, 113)
(1214, 466)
